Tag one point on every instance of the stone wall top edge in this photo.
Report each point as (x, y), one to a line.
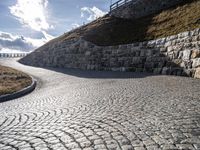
(155, 41)
(159, 41)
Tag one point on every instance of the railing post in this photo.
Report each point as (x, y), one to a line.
(119, 3)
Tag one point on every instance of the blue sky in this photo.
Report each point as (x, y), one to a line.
(31, 23)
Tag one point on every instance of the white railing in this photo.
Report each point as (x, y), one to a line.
(120, 3)
(12, 55)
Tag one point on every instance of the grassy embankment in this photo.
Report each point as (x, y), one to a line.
(113, 31)
(12, 80)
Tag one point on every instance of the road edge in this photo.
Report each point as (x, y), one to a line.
(20, 93)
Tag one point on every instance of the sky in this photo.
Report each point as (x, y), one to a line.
(27, 24)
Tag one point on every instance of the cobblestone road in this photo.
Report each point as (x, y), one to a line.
(102, 110)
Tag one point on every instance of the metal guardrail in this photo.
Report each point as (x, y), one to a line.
(120, 3)
(12, 55)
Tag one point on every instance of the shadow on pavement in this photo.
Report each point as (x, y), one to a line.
(100, 74)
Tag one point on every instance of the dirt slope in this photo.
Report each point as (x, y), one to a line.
(113, 31)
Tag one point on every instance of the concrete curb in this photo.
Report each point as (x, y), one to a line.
(20, 93)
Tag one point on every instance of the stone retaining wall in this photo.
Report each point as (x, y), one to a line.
(174, 55)
(142, 8)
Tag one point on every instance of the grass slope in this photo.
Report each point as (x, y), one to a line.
(12, 80)
(113, 31)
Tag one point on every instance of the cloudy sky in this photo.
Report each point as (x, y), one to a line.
(27, 24)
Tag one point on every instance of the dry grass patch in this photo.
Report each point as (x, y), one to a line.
(113, 31)
(12, 80)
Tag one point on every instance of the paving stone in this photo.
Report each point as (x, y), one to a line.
(168, 147)
(197, 146)
(101, 146)
(139, 148)
(191, 140)
(185, 146)
(127, 147)
(74, 109)
(149, 142)
(197, 73)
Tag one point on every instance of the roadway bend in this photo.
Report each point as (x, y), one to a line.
(74, 109)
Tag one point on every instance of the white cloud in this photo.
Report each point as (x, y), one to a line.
(91, 13)
(31, 13)
(75, 25)
(47, 36)
(36, 42)
(13, 43)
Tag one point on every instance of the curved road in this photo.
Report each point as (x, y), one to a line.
(73, 109)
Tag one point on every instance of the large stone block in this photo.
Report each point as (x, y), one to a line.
(87, 53)
(184, 34)
(161, 41)
(196, 63)
(170, 48)
(196, 38)
(167, 44)
(164, 71)
(142, 53)
(151, 44)
(195, 32)
(187, 72)
(163, 49)
(195, 54)
(197, 73)
(171, 38)
(157, 70)
(186, 54)
(180, 55)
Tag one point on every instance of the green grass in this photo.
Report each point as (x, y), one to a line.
(12, 80)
